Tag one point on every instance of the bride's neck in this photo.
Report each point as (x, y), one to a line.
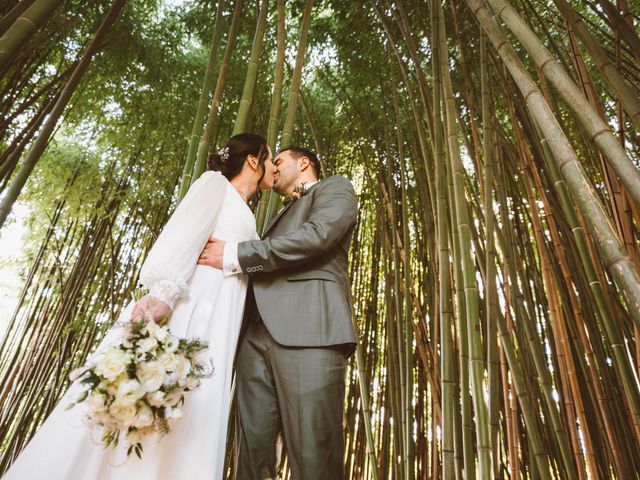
(246, 187)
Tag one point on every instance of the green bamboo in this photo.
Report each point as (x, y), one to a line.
(610, 247)
(447, 352)
(627, 96)
(599, 132)
(476, 362)
(203, 102)
(407, 315)
(274, 114)
(491, 294)
(18, 34)
(40, 143)
(212, 119)
(616, 339)
(252, 71)
(7, 20)
(294, 90)
(620, 25)
(294, 94)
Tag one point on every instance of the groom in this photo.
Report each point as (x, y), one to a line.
(291, 360)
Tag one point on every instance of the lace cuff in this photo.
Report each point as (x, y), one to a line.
(168, 292)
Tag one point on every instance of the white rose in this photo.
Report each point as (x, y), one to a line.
(169, 361)
(171, 344)
(129, 392)
(170, 379)
(151, 375)
(156, 331)
(140, 356)
(172, 413)
(191, 383)
(113, 362)
(184, 367)
(156, 399)
(96, 402)
(144, 417)
(147, 344)
(126, 414)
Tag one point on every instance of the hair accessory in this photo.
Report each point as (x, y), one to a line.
(224, 153)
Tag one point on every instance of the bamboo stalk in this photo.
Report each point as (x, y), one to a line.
(598, 131)
(252, 71)
(23, 28)
(476, 363)
(41, 141)
(203, 102)
(212, 118)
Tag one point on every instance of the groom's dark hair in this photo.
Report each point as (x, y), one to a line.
(299, 152)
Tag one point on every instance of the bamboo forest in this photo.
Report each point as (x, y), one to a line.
(494, 148)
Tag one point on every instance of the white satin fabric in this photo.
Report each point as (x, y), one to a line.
(206, 305)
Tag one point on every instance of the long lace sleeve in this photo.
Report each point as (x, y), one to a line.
(173, 257)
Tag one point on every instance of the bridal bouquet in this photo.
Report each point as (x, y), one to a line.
(137, 386)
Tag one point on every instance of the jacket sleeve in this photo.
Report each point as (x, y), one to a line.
(174, 256)
(333, 214)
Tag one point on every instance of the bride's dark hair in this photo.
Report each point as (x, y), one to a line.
(230, 159)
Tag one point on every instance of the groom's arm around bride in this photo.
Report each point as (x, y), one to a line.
(291, 361)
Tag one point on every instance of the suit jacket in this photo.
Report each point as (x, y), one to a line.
(299, 270)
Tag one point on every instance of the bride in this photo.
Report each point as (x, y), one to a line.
(204, 304)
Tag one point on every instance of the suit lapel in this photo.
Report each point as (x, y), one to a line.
(283, 210)
(275, 219)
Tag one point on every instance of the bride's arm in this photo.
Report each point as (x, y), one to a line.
(173, 257)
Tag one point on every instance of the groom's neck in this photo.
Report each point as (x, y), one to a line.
(304, 179)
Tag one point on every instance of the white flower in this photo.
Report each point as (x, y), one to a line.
(147, 344)
(169, 361)
(156, 399)
(172, 413)
(184, 367)
(140, 357)
(171, 344)
(144, 417)
(103, 419)
(151, 375)
(170, 379)
(96, 402)
(156, 331)
(173, 398)
(191, 383)
(113, 362)
(125, 414)
(129, 392)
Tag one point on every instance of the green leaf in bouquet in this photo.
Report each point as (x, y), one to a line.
(137, 448)
(91, 379)
(192, 345)
(136, 328)
(110, 437)
(81, 398)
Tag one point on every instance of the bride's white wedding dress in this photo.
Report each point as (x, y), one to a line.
(207, 305)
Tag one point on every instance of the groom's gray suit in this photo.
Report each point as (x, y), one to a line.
(299, 332)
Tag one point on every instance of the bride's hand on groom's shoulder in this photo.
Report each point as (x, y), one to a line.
(150, 307)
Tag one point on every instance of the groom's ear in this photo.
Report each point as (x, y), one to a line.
(304, 163)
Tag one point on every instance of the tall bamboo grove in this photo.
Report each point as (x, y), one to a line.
(495, 152)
